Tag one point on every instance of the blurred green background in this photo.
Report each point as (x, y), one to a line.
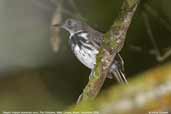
(33, 77)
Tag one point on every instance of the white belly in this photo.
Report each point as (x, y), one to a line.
(86, 56)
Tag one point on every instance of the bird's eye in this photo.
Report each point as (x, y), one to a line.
(69, 22)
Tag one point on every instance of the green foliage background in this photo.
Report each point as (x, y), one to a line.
(35, 78)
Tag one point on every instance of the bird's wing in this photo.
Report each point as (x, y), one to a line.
(95, 37)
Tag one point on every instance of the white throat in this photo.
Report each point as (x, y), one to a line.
(73, 33)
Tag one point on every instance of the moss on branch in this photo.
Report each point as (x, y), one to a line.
(113, 42)
(148, 92)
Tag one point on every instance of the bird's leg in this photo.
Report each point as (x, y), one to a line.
(91, 74)
(109, 76)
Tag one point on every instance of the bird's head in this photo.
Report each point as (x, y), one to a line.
(72, 26)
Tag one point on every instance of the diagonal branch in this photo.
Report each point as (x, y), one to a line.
(113, 42)
(148, 92)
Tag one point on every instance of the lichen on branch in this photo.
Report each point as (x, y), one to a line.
(113, 42)
(148, 92)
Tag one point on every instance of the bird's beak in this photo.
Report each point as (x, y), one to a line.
(57, 25)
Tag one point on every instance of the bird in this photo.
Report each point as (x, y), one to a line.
(85, 42)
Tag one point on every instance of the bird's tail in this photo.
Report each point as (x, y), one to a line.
(117, 70)
(119, 75)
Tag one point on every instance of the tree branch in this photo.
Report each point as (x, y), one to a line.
(149, 92)
(113, 42)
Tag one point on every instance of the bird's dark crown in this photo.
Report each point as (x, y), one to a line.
(73, 25)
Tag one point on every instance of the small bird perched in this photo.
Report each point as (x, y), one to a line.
(85, 42)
